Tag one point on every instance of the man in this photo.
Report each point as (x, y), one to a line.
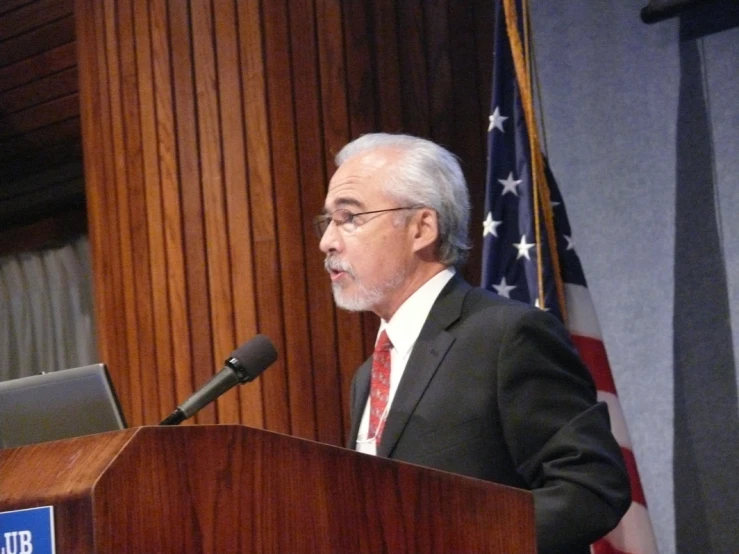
(478, 384)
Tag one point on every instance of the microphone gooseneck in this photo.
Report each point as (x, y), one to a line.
(245, 364)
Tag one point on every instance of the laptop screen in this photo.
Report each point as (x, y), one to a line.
(59, 405)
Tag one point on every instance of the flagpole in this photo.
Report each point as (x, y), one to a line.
(539, 180)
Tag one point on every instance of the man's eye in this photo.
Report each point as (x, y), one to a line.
(345, 217)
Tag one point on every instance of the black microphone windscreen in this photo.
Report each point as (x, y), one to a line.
(254, 356)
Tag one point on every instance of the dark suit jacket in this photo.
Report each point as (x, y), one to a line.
(494, 389)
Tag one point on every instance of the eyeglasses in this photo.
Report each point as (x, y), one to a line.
(345, 219)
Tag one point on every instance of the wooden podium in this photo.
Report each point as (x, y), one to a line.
(230, 488)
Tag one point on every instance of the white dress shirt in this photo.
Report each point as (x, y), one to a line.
(403, 330)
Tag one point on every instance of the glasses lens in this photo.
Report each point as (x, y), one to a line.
(320, 224)
(344, 218)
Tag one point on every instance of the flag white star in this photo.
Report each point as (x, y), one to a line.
(504, 289)
(496, 121)
(554, 203)
(523, 248)
(536, 305)
(490, 226)
(509, 184)
(570, 243)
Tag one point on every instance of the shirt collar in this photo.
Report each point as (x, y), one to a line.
(406, 324)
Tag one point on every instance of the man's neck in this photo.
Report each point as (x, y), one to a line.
(420, 277)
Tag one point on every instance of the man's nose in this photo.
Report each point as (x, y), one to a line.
(330, 241)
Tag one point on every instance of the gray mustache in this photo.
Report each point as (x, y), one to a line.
(333, 264)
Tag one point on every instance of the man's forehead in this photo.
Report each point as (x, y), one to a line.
(357, 180)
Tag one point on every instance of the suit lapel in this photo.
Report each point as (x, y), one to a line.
(428, 353)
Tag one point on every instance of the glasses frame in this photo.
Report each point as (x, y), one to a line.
(321, 222)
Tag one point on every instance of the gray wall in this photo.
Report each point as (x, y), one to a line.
(642, 127)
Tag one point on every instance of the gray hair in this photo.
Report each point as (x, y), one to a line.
(425, 175)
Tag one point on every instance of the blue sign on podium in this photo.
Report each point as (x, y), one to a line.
(27, 531)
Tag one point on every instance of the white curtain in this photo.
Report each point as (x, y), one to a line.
(46, 315)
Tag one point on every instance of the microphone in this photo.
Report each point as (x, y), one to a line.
(245, 364)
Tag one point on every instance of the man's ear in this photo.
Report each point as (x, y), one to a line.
(425, 229)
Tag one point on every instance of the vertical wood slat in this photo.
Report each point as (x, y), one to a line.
(361, 84)
(120, 208)
(152, 196)
(414, 94)
(284, 186)
(257, 153)
(91, 119)
(356, 334)
(466, 51)
(116, 290)
(388, 70)
(210, 131)
(293, 226)
(439, 76)
(236, 210)
(282, 147)
(268, 229)
(331, 389)
(176, 386)
(196, 283)
(134, 188)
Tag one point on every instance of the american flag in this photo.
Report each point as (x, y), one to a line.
(518, 254)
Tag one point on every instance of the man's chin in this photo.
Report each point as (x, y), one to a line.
(349, 302)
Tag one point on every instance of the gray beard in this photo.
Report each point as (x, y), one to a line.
(364, 299)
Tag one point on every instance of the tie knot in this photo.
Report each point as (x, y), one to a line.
(383, 343)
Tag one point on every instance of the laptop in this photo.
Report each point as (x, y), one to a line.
(58, 405)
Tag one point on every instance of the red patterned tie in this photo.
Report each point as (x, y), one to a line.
(380, 386)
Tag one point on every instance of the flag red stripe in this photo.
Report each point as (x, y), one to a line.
(637, 493)
(593, 353)
(605, 547)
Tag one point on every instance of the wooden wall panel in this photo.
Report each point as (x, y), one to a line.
(328, 358)
(236, 206)
(414, 84)
(210, 153)
(292, 220)
(281, 147)
(210, 129)
(193, 248)
(362, 96)
(103, 223)
(257, 154)
(152, 199)
(178, 384)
